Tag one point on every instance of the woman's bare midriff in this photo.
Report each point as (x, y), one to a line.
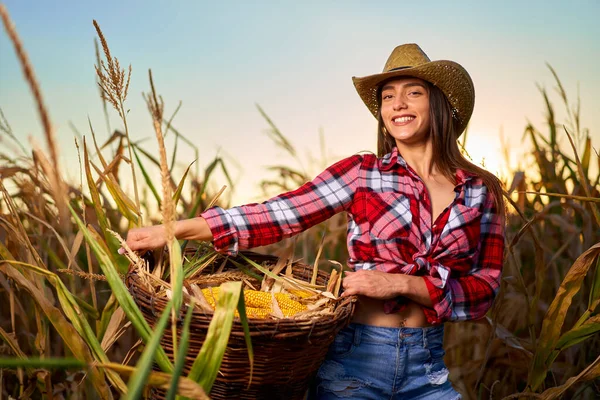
(369, 311)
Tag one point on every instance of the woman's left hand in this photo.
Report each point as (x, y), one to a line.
(372, 283)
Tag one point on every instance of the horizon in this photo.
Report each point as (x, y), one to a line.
(296, 63)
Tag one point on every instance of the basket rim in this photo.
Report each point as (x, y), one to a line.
(317, 324)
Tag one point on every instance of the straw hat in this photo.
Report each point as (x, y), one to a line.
(410, 60)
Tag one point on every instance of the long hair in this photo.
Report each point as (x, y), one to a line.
(444, 134)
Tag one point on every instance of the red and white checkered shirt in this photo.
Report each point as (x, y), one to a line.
(390, 228)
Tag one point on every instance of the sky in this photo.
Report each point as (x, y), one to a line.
(296, 59)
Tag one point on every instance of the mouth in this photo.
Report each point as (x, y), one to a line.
(403, 119)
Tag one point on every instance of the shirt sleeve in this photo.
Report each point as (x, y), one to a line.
(287, 214)
(470, 296)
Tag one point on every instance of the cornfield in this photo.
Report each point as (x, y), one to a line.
(70, 329)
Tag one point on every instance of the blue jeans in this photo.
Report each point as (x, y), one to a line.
(371, 362)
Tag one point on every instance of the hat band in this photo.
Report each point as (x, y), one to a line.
(399, 68)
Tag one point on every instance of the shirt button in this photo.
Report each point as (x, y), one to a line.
(434, 226)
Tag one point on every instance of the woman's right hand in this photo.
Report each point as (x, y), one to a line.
(147, 238)
(153, 237)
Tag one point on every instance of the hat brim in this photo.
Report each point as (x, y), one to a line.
(453, 80)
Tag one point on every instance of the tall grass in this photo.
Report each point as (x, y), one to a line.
(60, 271)
(69, 326)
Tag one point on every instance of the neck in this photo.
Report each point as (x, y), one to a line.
(420, 158)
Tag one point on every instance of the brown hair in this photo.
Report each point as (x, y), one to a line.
(444, 135)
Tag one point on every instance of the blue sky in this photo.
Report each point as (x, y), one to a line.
(296, 60)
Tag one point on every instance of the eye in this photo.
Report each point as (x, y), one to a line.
(415, 93)
(386, 96)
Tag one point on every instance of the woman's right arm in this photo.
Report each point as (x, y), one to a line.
(152, 237)
(255, 225)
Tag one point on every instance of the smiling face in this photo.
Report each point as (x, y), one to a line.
(405, 110)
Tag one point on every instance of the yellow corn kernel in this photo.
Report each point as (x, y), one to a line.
(288, 306)
(211, 295)
(253, 312)
(303, 294)
(258, 299)
(259, 304)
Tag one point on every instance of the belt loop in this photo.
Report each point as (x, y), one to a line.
(357, 333)
(424, 330)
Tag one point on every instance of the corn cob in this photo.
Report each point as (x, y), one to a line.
(303, 294)
(259, 304)
(288, 306)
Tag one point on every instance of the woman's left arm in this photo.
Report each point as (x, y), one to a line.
(470, 296)
(462, 298)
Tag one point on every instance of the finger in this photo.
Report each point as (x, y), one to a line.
(121, 250)
(137, 244)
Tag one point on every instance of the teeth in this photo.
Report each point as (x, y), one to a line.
(404, 119)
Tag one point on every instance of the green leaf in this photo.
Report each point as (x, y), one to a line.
(74, 313)
(121, 292)
(125, 205)
(147, 177)
(576, 335)
(181, 353)
(112, 243)
(244, 320)
(67, 332)
(207, 363)
(45, 363)
(176, 275)
(555, 316)
(136, 383)
(177, 194)
(594, 300)
(111, 305)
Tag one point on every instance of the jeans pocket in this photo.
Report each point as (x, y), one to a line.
(343, 344)
(436, 353)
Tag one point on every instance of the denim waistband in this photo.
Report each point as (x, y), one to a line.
(426, 337)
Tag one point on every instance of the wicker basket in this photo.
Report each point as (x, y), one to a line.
(287, 352)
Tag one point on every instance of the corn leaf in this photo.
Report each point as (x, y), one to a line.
(136, 383)
(186, 387)
(111, 305)
(594, 300)
(556, 314)
(100, 214)
(262, 269)
(125, 205)
(181, 353)
(583, 179)
(121, 293)
(579, 334)
(74, 313)
(45, 363)
(567, 196)
(244, 320)
(177, 194)
(147, 177)
(176, 269)
(591, 372)
(112, 243)
(68, 333)
(587, 155)
(207, 173)
(206, 365)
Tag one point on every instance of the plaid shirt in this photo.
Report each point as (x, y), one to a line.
(390, 228)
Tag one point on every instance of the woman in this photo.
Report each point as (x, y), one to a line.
(425, 232)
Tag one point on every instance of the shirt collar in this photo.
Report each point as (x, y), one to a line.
(388, 162)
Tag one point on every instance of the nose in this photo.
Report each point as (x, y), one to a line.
(399, 103)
